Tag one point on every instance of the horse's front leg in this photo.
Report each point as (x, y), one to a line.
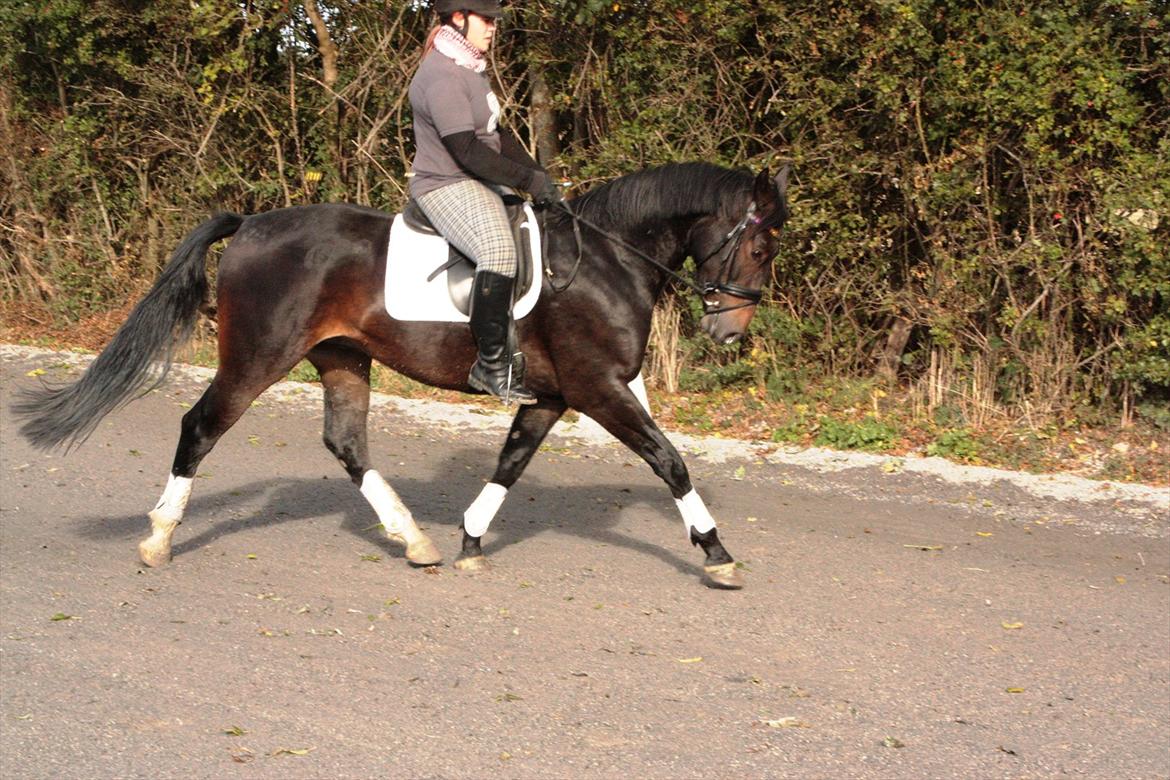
(620, 413)
(530, 426)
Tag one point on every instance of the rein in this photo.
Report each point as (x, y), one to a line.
(734, 237)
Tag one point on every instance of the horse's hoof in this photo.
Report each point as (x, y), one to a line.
(423, 553)
(724, 576)
(474, 563)
(152, 555)
(420, 552)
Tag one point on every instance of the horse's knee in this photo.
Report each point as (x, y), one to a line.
(673, 471)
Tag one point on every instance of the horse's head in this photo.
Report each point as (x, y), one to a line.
(735, 258)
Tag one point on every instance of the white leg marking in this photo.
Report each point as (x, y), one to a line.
(173, 503)
(479, 515)
(638, 387)
(155, 550)
(395, 517)
(694, 513)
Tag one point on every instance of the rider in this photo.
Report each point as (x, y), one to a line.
(462, 164)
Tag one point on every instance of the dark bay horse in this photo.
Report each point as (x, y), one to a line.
(307, 282)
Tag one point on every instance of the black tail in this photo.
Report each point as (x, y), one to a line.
(66, 416)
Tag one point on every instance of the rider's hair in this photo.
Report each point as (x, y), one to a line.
(445, 19)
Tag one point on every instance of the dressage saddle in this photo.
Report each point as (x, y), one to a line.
(460, 270)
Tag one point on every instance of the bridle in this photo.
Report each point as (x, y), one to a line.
(750, 296)
(733, 239)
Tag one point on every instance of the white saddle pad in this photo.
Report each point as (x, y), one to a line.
(413, 256)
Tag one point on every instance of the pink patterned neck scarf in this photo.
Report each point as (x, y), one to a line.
(453, 45)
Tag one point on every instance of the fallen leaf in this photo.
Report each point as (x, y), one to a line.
(251, 556)
(923, 546)
(787, 722)
(1014, 690)
(753, 519)
(694, 660)
(509, 696)
(1012, 626)
(36, 372)
(62, 616)
(892, 742)
(292, 751)
(984, 534)
(1120, 580)
(371, 557)
(235, 731)
(739, 473)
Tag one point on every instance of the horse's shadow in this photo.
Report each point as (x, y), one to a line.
(585, 511)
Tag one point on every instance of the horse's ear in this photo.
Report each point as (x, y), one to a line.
(782, 178)
(763, 193)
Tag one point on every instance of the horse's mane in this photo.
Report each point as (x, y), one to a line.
(672, 190)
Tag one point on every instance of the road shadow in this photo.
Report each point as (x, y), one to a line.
(534, 507)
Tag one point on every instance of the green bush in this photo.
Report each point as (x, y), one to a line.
(868, 434)
(957, 445)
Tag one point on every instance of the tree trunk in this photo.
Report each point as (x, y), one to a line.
(544, 122)
(891, 356)
(325, 44)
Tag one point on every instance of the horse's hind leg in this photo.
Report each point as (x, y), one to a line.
(345, 375)
(530, 426)
(230, 394)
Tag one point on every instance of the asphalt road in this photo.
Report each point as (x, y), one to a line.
(893, 625)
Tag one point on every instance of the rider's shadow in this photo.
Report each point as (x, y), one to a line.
(585, 511)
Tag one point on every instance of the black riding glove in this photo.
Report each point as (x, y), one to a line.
(545, 193)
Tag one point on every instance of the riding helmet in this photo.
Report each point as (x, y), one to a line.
(489, 8)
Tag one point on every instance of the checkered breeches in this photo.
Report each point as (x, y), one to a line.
(471, 216)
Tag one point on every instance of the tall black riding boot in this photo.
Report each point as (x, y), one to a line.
(491, 319)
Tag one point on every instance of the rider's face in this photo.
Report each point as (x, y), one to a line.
(480, 30)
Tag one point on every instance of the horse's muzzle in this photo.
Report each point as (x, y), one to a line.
(726, 327)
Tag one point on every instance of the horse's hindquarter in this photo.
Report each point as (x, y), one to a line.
(313, 272)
